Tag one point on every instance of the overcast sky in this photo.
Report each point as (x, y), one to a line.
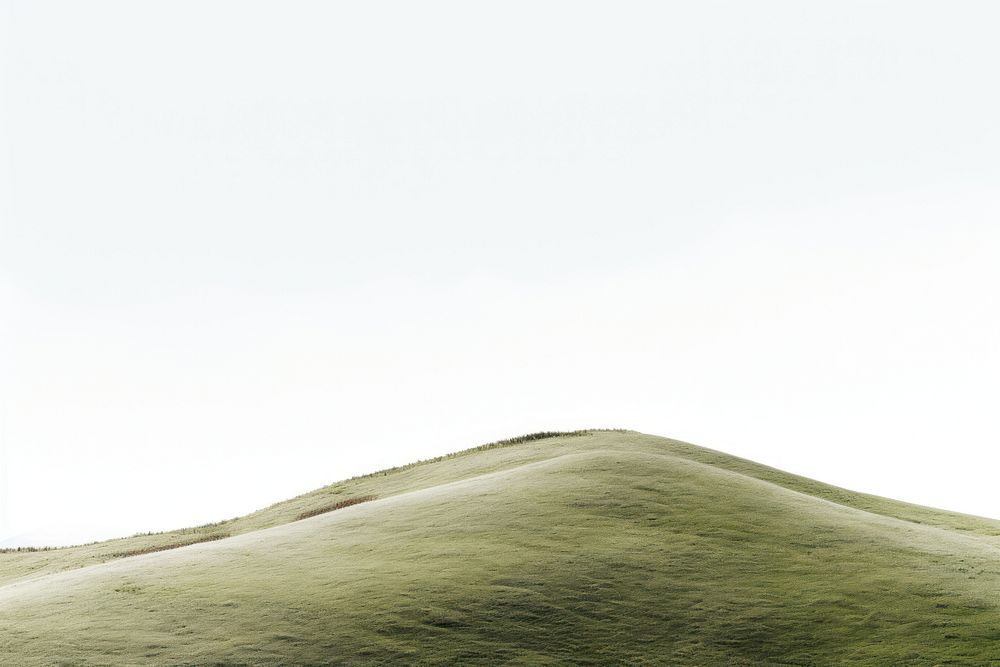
(248, 249)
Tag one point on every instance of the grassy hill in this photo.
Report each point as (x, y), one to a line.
(595, 547)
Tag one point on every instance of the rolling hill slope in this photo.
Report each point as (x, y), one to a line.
(595, 547)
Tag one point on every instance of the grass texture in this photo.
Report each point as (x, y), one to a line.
(587, 548)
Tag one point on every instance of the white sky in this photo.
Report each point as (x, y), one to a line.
(248, 249)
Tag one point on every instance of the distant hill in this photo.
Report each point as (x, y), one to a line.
(591, 548)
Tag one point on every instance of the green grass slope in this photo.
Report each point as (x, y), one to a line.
(589, 548)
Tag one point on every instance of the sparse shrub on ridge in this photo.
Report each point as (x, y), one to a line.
(357, 500)
(166, 547)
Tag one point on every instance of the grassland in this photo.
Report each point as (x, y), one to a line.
(594, 547)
